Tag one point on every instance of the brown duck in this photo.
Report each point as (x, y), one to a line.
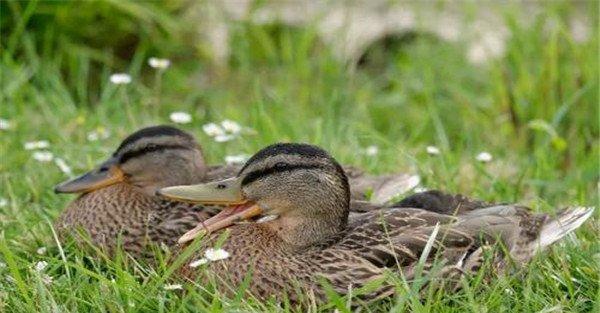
(309, 239)
(118, 202)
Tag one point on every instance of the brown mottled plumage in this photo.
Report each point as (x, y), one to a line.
(118, 201)
(312, 239)
(118, 197)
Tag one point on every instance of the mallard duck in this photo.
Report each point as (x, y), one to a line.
(118, 196)
(309, 238)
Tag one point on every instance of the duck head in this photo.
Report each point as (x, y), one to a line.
(299, 184)
(150, 158)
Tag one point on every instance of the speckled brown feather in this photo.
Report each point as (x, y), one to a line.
(371, 245)
(293, 254)
(121, 212)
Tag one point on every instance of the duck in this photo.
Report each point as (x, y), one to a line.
(308, 244)
(117, 205)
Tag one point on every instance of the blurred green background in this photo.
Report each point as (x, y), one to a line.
(517, 80)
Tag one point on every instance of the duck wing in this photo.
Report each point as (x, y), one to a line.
(406, 239)
(440, 202)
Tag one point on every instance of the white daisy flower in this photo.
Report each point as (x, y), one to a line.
(236, 159)
(432, 150)
(224, 138)
(198, 262)
(216, 254)
(267, 218)
(484, 157)
(40, 266)
(231, 126)
(5, 124)
(372, 150)
(100, 133)
(33, 145)
(2, 265)
(160, 64)
(47, 279)
(3, 202)
(212, 129)
(180, 117)
(41, 250)
(62, 165)
(173, 287)
(93, 136)
(120, 79)
(43, 156)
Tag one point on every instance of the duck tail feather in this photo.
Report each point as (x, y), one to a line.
(565, 222)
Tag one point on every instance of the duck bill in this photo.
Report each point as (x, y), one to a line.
(106, 174)
(227, 217)
(227, 192)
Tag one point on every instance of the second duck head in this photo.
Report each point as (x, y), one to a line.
(151, 158)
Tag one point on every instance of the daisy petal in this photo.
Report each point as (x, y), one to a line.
(432, 150)
(180, 117)
(43, 156)
(159, 63)
(231, 126)
(33, 145)
(484, 157)
(212, 129)
(62, 165)
(173, 287)
(216, 254)
(40, 266)
(120, 79)
(224, 138)
(372, 150)
(198, 262)
(5, 124)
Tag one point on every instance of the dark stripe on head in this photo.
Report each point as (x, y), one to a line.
(149, 149)
(278, 168)
(301, 149)
(153, 131)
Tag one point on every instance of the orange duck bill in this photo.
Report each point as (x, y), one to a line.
(106, 174)
(227, 192)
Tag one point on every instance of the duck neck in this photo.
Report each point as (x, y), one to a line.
(300, 231)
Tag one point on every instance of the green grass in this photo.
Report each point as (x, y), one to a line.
(535, 110)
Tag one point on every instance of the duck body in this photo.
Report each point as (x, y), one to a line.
(313, 240)
(373, 246)
(122, 215)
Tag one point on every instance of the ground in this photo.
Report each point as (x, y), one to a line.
(534, 110)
